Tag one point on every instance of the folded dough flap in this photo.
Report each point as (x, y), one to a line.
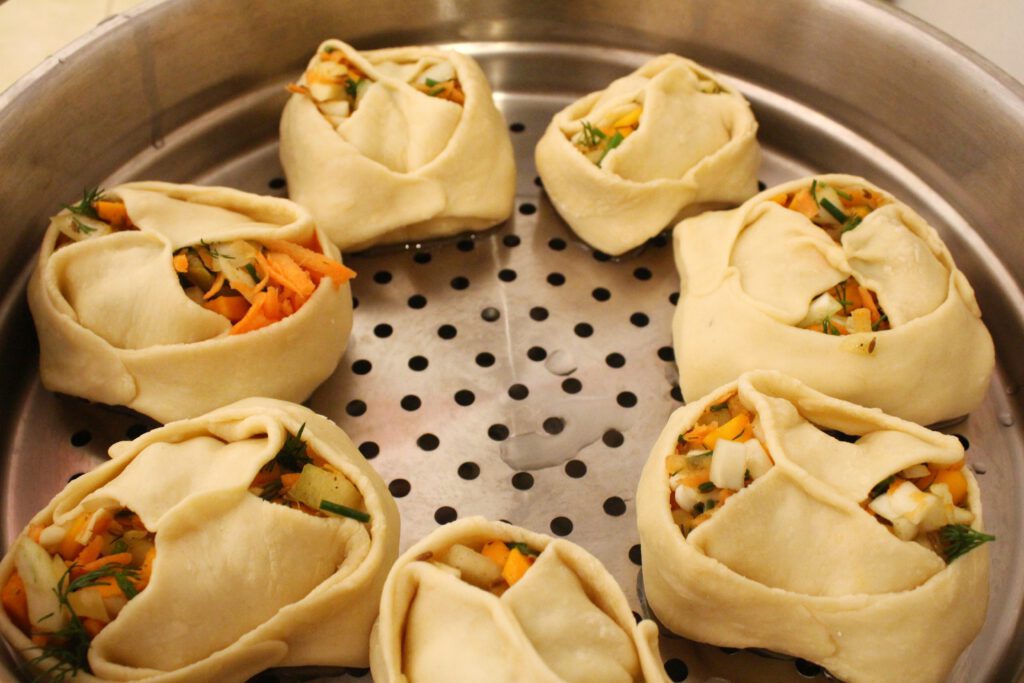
(577, 639)
(784, 261)
(399, 127)
(545, 628)
(680, 126)
(164, 474)
(779, 533)
(191, 217)
(851, 469)
(123, 288)
(227, 562)
(897, 264)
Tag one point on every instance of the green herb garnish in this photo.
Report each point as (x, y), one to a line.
(213, 251)
(431, 82)
(955, 540)
(293, 456)
(719, 406)
(834, 210)
(852, 223)
(82, 227)
(330, 48)
(698, 509)
(251, 269)
(840, 293)
(344, 511)
(70, 651)
(521, 547)
(271, 490)
(351, 87)
(436, 91)
(706, 487)
(85, 206)
(592, 136)
(710, 505)
(614, 142)
(828, 327)
(881, 487)
(878, 323)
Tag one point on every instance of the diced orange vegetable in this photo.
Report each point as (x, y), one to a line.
(116, 558)
(40, 640)
(180, 262)
(699, 433)
(284, 271)
(218, 284)
(35, 531)
(867, 298)
(233, 308)
(924, 482)
(957, 483)
(288, 480)
(297, 89)
(781, 199)
(515, 566)
(497, 552)
(730, 430)
(14, 601)
(804, 203)
(264, 477)
(113, 213)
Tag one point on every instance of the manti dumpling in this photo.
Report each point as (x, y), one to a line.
(772, 516)
(396, 145)
(486, 601)
(835, 282)
(174, 300)
(668, 140)
(207, 550)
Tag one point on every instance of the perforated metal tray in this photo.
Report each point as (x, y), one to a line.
(515, 373)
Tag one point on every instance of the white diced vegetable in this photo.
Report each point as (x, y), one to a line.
(79, 227)
(860, 320)
(89, 603)
(916, 472)
(474, 567)
(321, 92)
(87, 533)
(335, 108)
(904, 529)
(728, 464)
(962, 516)
(686, 497)
(438, 73)
(822, 306)
(332, 71)
(882, 506)
(829, 194)
(38, 572)
(758, 462)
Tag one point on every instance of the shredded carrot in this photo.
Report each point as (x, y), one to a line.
(147, 568)
(69, 548)
(40, 640)
(297, 89)
(218, 283)
(116, 558)
(284, 271)
(699, 432)
(868, 300)
(254, 318)
(91, 551)
(14, 601)
(312, 261)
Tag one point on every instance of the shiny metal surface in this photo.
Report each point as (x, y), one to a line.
(191, 91)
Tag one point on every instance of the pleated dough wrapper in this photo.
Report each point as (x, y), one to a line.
(793, 564)
(404, 166)
(115, 325)
(239, 584)
(748, 277)
(692, 151)
(565, 621)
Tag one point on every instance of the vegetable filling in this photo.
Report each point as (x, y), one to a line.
(73, 579)
(337, 86)
(303, 480)
(596, 141)
(252, 284)
(717, 457)
(494, 566)
(848, 307)
(927, 503)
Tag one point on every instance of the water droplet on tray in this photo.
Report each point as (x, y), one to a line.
(979, 467)
(561, 362)
(1006, 419)
(583, 422)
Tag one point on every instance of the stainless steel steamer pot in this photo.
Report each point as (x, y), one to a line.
(191, 90)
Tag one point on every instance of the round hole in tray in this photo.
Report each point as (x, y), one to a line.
(536, 353)
(399, 488)
(613, 438)
(571, 385)
(447, 332)
(518, 392)
(539, 313)
(511, 240)
(382, 277)
(418, 363)
(561, 526)
(614, 506)
(527, 208)
(576, 469)
(469, 471)
(355, 407)
(615, 360)
(428, 442)
(411, 402)
(523, 481)
(417, 301)
(490, 314)
(634, 555)
(361, 367)
(601, 294)
(485, 359)
(383, 330)
(81, 438)
(460, 282)
(369, 449)
(464, 397)
(557, 244)
(421, 257)
(507, 275)
(445, 514)
(556, 279)
(676, 669)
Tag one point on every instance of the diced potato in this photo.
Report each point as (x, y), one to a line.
(822, 306)
(321, 92)
(316, 484)
(51, 536)
(474, 567)
(728, 464)
(89, 603)
(915, 472)
(439, 73)
(686, 497)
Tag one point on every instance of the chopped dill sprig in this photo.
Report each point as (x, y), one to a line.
(955, 540)
(85, 206)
